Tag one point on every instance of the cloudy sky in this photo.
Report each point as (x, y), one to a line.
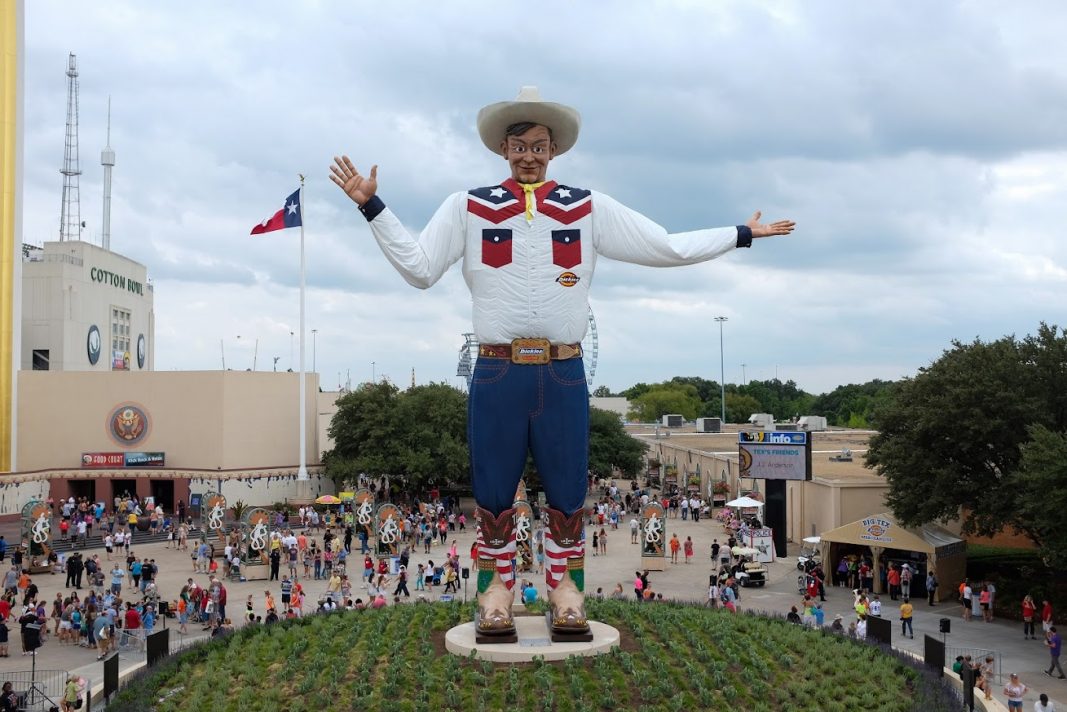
(920, 147)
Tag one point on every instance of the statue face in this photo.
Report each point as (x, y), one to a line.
(529, 154)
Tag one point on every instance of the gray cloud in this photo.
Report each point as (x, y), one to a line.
(919, 147)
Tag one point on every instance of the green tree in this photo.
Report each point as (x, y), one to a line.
(432, 420)
(705, 390)
(665, 399)
(418, 435)
(740, 407)
(610, 445)
(1042, 474)
(953, 436)
(364, 432)
(635, 390)
(853, 405)
(602, 392)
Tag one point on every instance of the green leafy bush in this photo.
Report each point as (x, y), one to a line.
(685, 657)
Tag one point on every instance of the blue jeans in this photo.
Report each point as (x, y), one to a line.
(514, 409)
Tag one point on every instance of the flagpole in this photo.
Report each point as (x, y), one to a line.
(302, 472)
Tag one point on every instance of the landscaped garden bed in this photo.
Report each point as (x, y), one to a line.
(673, 657)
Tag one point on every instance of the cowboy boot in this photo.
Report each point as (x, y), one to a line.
(565, 546)
(496, 549)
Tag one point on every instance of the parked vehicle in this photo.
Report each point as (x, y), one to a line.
(749, 571)
(809, 556)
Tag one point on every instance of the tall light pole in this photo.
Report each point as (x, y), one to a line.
(314, 349)
(722, 370)
(373, 373)
(744, 378)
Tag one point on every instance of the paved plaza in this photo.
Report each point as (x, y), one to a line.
(679, 581)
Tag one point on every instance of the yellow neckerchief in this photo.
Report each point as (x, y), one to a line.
(528, 189)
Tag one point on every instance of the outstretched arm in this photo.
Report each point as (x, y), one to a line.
(624, 234)
(779, 227)
(421, 262)
(357, 187)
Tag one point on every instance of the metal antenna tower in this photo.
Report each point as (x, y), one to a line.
(70, 217)
(107, 160)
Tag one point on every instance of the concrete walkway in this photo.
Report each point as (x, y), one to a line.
(681, 581)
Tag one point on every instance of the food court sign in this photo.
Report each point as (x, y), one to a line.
(112, 460)
(875, 529)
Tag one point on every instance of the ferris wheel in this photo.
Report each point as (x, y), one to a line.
(590, 350)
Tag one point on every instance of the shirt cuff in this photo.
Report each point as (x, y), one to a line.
(744, 233)
(374, 206)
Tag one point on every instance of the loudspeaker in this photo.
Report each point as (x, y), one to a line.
(465, 573)
(946, 625)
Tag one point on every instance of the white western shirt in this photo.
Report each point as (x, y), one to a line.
(529, 266)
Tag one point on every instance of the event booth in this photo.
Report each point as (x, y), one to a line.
(883, 540)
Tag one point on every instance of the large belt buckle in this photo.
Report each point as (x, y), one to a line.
(531, 351)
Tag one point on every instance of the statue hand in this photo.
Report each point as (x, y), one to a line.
(781, 227)
(357, 187)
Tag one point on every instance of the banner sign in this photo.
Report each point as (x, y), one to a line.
(775, 455)
(114, 460)
(762, 540)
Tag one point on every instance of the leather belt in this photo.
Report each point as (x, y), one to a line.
(531, 351)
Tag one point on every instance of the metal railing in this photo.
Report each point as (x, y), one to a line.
(47, 687)
(978, 656)
(130, 639)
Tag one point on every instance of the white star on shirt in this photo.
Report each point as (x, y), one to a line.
(291, 207)
(563, 193)
(497, 192)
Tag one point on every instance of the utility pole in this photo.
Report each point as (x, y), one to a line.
(722, 370)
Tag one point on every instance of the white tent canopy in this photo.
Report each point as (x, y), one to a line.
(744, 502)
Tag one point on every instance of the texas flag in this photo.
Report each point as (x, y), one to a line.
(289, 216)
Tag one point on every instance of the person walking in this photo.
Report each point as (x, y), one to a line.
(906, 613)
(1054, 643)
(688, 548)
(931, 588)
(402, 583)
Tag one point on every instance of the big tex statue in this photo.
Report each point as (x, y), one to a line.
(529, 246)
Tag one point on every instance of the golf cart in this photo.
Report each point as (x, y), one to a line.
(809, 556)
(747, 570)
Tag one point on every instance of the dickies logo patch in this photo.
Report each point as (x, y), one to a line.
(568, 279)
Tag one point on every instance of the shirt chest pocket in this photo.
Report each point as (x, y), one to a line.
(566, 248)
(496, 247)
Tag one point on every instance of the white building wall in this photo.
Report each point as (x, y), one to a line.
(68, 287)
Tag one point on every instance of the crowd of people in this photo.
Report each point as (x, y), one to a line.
(113, 598)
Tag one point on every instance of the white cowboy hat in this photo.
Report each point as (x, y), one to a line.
(563, 121)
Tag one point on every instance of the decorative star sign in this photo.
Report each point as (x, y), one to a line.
(291, 207)
(563, 193)
(497, 192)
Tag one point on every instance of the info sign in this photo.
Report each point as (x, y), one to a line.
(775, 455)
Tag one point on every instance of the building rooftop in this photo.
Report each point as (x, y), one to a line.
(825, 445)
